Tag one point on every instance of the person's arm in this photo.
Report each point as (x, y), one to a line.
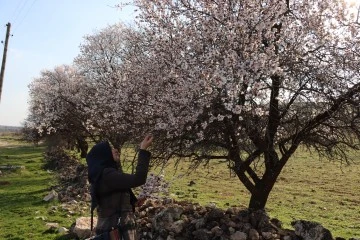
(116, 180)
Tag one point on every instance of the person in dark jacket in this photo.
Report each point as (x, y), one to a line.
(111, 187)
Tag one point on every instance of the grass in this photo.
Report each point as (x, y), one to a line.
(307, 189)
(320, 191)
(23, 213)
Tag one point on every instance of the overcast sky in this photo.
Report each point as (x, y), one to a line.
(45, 34)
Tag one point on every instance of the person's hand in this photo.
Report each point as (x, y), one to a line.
(146, 142)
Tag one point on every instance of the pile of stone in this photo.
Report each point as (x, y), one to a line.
(169, 220)
(73, 184)
(72, 175)
(173, 220)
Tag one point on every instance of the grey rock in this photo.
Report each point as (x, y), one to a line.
(267, 235)
(201, 234)
(238, 236)
(177, 227)
(53, 195)
(311, 230)
(215, 214)
(52, 225)
(253, 234)
(217, 231)
(166, 218)
(200, 223)
(63, 230)
(82, 227)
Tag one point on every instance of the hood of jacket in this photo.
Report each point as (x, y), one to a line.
(99, 157)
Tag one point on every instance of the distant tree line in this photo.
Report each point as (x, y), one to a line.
(4, 129)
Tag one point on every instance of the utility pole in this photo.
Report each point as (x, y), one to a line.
(4, 57)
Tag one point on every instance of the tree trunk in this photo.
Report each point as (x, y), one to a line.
(259, 188)
(262, 189)
(260, 196)
(82, 147)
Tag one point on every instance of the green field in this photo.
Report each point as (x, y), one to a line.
(308, 189)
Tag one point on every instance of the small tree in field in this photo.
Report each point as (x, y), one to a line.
(250, 81)
(96, 97)
(55, 109)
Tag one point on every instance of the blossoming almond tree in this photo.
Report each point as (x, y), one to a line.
(250, 81)
(116, 104)
(95, 97)
(54, 108)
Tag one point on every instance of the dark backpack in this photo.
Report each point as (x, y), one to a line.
(94, 200)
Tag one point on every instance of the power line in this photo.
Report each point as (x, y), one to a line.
(15, 10)
(20, 10)
(24, 16)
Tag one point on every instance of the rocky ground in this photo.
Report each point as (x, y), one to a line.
(167, 219)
